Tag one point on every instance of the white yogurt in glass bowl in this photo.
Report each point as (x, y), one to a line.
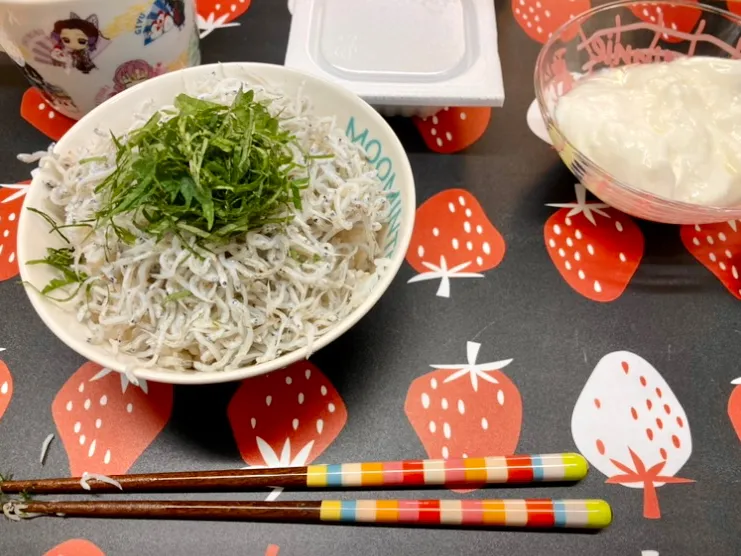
(672, 129)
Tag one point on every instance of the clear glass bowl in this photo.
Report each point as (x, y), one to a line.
(619, 34)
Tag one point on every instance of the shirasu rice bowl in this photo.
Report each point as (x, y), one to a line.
(181, 305)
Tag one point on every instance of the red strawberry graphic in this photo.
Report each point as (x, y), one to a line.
(75, 547)
(453, 129)
(466, 410)
(540, 18)
(216, 14)
(11, 201)
(595, 248)
(6, 387)
(40, 114)
(718, 248)
(679, 18)
(105, 422)
(734, 6)
(734, 407)
(453, 238)
(272, 550)
(287, 417)
(630, 426)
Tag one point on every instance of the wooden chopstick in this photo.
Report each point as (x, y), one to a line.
(540, 514)
(468, 472)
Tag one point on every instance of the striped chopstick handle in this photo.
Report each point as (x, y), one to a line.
(451, 472)
(541, 514)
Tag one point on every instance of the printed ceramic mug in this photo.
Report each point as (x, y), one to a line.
(79, 53)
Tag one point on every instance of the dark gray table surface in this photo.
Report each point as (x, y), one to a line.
(674, 314)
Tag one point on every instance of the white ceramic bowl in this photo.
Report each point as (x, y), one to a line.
(362, 123)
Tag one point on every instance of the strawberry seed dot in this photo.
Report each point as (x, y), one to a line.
(294, 424)
(439, 142)
(622, 257)
(81, 387)
(710, 240)
(569, 242)
(455, 243)
(577, 256)
(486, 247)
(552, 243)
(597, 403)
(300, 398)
(581, 274)
(11, 217)
(734, 271)
(590, 249)
(331, 408)
(444, 403)
(468, 213)
(469, 245)
(484, 423)
(420, 251)
(446, 430)
(675, 441)
(253, 422)
(649, 404)
(87, 404)
(433, 427)
(319, 426)
(557, 229)
(307, 374)
(435, 121)
(42, 106)
(567, 264)
(11, 258)
(445, 452)
(643, 381)
(433, 383)
(479, 229)
(659, 423)
(721, 236)
(650, 434)
(461, 407)
(103, 400)
(500, 397)
(82, 440)
(561, 252)
(268, 400)
(107, 457)
(435, 232)
(578, 234)
(451, 207)
(728, 254)
(6, 233)
(634, 413)
(98, 423)
(52, 115)
(618, 226)
(712, 257)
(600, 447)
(467, 227)
(463, 116)
(625, 367)
(680, 422)
(77, 427)
(425, 400)
(233, 8)
(433, 132)
(696, 241)
(658, 392)
(323, 390)
(479, 261)
(597, 287)
(289, 380)
(662, 453)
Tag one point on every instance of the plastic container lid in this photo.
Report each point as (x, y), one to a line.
(401, 52)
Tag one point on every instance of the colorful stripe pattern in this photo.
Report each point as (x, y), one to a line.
(580, 514)
(469, 471)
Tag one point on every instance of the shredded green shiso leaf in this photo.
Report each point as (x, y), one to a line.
(213, 170)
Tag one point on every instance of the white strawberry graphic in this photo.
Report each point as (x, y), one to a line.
(630, 426)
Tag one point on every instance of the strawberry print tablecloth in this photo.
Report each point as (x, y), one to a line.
(528, 318)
